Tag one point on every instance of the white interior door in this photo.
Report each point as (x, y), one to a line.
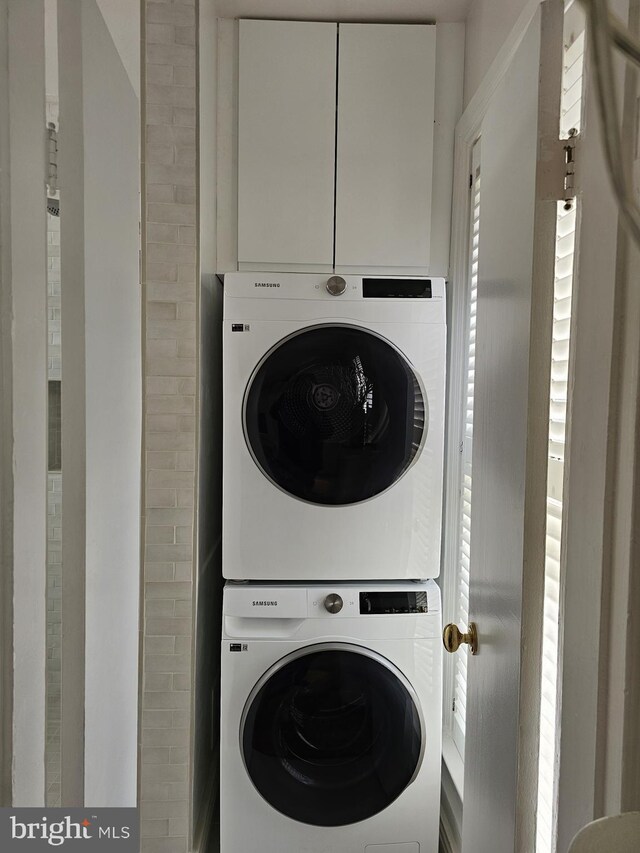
(512, 222)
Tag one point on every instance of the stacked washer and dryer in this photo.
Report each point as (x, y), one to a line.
(333, 436)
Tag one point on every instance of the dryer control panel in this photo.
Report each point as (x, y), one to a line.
(336, 601)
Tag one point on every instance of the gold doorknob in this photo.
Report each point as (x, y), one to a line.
(452, 638)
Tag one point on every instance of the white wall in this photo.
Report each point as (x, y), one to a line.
(27, 252)
(413, 11)
(71, 181)
(122, 18)
(449, 80)
(113, 414)
(51, 47)
(489, 22)
(101, 411)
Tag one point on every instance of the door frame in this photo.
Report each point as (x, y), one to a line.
(6, 432)
(468, 131)
(600, 708)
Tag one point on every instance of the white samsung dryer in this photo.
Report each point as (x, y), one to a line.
(331, 715)
(333, 426)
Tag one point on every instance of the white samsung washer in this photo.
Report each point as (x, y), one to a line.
(331, 718)
(333, 426)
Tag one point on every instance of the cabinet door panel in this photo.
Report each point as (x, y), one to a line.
(385, 145)
(286, 142)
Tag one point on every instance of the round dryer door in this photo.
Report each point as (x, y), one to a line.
(332, 734)
(334, 415)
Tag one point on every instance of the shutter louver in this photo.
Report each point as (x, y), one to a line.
(464, 554)
(572, 81)
(571, 116)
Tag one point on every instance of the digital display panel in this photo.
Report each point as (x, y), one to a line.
(396, 288)
(393, 601)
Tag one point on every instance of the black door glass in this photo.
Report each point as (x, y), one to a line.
(332, 738)
(334, 415)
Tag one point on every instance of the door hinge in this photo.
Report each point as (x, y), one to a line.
(569, 181)
(52, 158)
(453, 705)
(559, 173)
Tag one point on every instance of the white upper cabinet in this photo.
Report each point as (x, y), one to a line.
(386, 109)
(286, 143)
(345, 146)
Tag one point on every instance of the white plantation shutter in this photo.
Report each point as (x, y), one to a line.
(565, 242)
(571, 116)
(464, 548)
(547, 759)
(572, 82)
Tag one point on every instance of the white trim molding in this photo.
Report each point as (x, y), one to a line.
(6, 434)
(28, 272)
(450, 814)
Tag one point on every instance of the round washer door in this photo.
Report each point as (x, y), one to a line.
(334, 415)
(332, 735)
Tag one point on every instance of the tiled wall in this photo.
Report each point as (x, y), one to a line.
(169, 441)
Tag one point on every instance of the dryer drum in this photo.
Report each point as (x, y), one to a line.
(332, 401)
(332, 737)
(334, 415)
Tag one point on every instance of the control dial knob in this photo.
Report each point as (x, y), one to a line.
(336, 285)
(333, 603)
